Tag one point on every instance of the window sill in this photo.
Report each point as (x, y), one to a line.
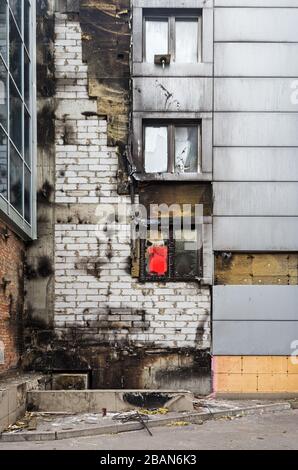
(201, 69)
(173, 177)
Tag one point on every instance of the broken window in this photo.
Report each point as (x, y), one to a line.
(172, 148)
(171, 254)
(186, 149)
(174, 34)
(156, 254)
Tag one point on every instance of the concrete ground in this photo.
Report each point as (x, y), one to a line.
(269, 431)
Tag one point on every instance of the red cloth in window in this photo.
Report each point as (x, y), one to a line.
(158, 260)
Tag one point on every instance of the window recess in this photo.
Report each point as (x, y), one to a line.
(172, 147)
(177, 34)
(171, 253)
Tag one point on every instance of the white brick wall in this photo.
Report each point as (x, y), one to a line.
(93, 288)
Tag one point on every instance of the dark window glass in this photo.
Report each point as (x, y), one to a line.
(16, 117)
(186, 253)
(26, 79)
(16, 8)
(27, 195)
(3, 164)
(3, 29)
(15, 53)
(27, 138)
(16, 180)
(27, 24)
(3, 95)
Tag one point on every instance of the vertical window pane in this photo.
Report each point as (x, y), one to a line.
(186, 252)
(156, 149)
(156, 254)
(16, 8)
(3, 29)
(156, 38)
(27, 138)
(16, 117)
(15, 54)
(3, 95)
(186, 149)
(27, 195)
(186, 41)
(27, 24)
(16, 180)
(3, 164)
(26, 79)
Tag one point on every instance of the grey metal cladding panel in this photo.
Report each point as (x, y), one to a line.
(172, 94)
(255, 59)
(255, 94)
(208, 27)
(256, 3)
(255, 234)
(256, 129)
(255, 199)
(256, 24)
(255, 303)
(255, 164)
(253, 338)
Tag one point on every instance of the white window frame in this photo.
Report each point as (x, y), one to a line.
(171, 125)
(172, 17)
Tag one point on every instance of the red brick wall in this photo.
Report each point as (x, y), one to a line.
(11, 298)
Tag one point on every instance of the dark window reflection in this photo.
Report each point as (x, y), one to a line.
(3, 164)
(27, 24)
(27, 195)
(3, 95)
(3, 29)
(16, 180)
(16, 8)
(186, 253)
(27, 139)
(186, 262)
(26, 79)
(16, 117)
(15, 54)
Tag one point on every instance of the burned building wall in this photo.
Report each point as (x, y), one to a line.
(85, 309)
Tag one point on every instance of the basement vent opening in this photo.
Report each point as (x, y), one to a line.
(69, 381)
(150, 400)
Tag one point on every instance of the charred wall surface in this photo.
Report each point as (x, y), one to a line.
(85, 311)
(40, 253)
